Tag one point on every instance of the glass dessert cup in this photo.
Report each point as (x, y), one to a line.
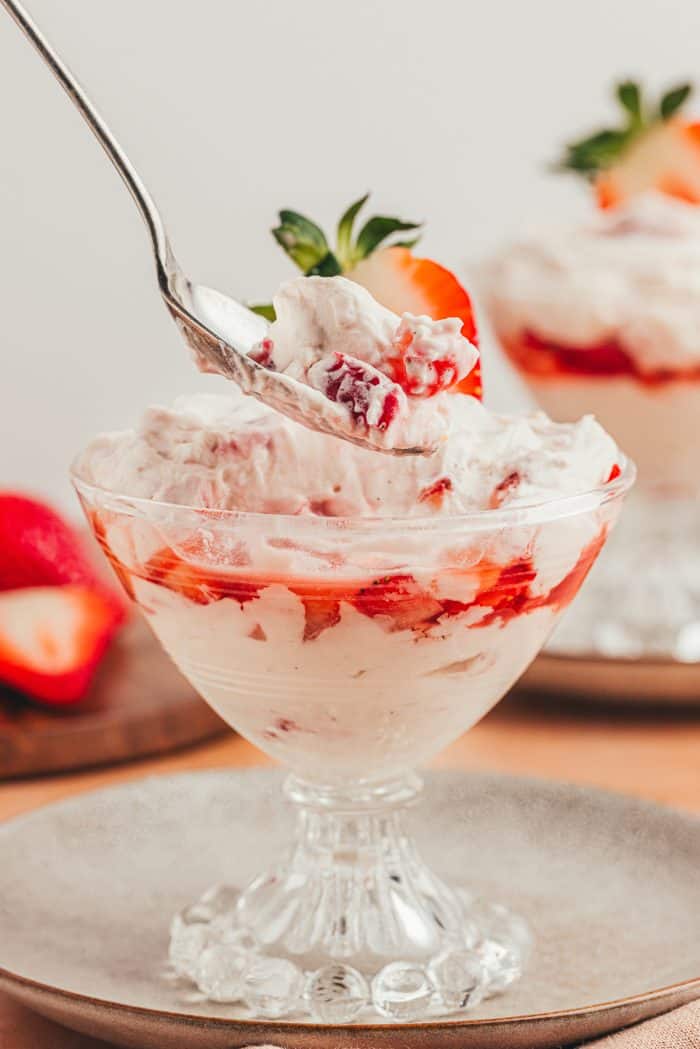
(643, 599)
(351, 650)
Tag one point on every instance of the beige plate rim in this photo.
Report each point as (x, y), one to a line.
(291, 1027)
(682, 990)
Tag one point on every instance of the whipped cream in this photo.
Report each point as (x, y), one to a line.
(334, 337)
(349, 651)
(232, 453)
(631, 275)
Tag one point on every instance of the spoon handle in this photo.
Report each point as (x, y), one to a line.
(161, 246)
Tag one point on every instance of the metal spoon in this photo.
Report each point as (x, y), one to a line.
(218, 329)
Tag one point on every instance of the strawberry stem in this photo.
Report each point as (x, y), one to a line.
(594, 153)
(344, 234)
(307, 245)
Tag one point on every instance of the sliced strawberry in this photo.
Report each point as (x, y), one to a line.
(372, 400)
(430, 356)
(52, 639)
(565, 591)
(99, 530)
(406, 284)
(504, 589)
(38, 548)
(434, 495)
(666, 158)
(399, 601)
(200, 584)
(503, 489)
(548, 360)
(321, 612)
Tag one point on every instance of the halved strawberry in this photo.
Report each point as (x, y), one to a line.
(39, 548)
(654, 149)
(399, 601)
(391, 273)
(406, 284)
(666, 158)
(52, 639)
(200, 584)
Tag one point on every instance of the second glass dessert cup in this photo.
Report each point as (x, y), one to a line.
(351, 650)
(644, 597)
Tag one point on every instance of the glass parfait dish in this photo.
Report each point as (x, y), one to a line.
(352, 651)
(644, 597)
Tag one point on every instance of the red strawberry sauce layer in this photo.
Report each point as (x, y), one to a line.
(544, 359)
(397, 601)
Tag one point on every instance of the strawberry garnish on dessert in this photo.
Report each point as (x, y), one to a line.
(654, 148)
(57, 616)
(397, 279)
(396, 601)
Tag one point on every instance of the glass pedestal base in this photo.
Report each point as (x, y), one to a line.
(352, 921)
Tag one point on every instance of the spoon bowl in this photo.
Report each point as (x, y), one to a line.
(220, 332)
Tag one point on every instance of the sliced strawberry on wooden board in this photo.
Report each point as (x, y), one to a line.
(654, 148)
(39, 548)
(392, 274)
(52, 639)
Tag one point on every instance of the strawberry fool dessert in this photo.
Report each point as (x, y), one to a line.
(604, 317)
(352, 612)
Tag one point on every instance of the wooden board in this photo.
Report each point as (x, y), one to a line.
(140, 704)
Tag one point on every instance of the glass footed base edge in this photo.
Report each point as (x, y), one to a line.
(216, 958)
(352, 925)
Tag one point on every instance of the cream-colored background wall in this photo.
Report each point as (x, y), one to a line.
(448, 110)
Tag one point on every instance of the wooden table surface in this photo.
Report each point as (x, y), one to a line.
(655, 755)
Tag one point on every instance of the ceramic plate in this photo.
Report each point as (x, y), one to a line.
(609, 884)
(651, 682)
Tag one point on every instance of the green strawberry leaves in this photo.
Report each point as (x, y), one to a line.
(375, 232)
(303, 240)
(673, 100)
(263, 309)
(307, 245)
(344, 234)
(629, 96)
(602, 149)
(592, 154)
